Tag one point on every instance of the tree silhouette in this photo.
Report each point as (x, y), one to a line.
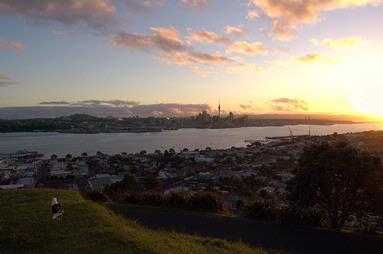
(339, 180)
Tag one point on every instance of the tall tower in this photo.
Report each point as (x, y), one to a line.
(219, 108)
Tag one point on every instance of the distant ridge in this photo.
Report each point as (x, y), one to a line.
(103, 111)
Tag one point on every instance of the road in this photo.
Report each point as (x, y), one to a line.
(258, 234)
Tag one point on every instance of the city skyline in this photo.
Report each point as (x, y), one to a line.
(258, 56)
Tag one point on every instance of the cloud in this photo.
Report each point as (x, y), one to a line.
(241, 68)
(282, 31)
(313, 58)
(6, 81)
(173, 49)
(199, 72)
(114, 103)
(308, 58)
(54, 103)
(147, 5)
(252, 14)
(166, 39)
(192, 57)
(286, 104)
(133, 41)
(207, 37)
(340, 43)
(246, 107)
(145, 110)
(169, 109)
(93, 103)
(289, 14)
(6, 44)
(194, 3)
(247, 48)
(237, 30)
(96, 14)
(132, 108)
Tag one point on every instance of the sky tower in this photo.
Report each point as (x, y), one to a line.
(219, 108)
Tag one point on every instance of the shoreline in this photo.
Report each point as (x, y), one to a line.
(155, 130)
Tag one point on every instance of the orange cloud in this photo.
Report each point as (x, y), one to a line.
(287, 104)
(289, 13)
(339, 43)
(242, 67)
(11, 45)
(166, 39)
(191, 57)
(252, 14)
(247, 48)
(237, 30)
(199, 72)
(174, 50)
(282, 32)
(313, 58)
(207, 37)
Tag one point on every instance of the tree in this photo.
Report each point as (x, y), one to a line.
(339, 180)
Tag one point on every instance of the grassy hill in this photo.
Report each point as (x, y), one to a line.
(26, 227)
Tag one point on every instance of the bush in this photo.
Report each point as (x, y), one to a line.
(132, 198)
(262, 209)
(206, 201)
(298, 216)
(114, 194)
(178, 200)
(97, 196)
(153, 198)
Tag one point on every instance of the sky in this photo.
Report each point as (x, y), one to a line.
(183, 56)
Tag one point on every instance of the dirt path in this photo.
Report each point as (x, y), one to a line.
(260, 234)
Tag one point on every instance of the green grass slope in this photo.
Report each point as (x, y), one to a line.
(26, 227)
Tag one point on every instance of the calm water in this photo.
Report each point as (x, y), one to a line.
(61, 144)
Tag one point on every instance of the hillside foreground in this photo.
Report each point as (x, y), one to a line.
(26, 227)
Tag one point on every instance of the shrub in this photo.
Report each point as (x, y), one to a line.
(153, 198)
(262, 209)
(178, 200)
(97, 196)
(295, 215)
(132, 198)
(207, 201)
(114, 194)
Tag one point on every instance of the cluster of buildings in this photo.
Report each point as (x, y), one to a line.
(261, 168)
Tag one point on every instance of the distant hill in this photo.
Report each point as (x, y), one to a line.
(26, 227)
(78, 118)
(166, 110)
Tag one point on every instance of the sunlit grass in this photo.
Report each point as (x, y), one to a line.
(26, 227)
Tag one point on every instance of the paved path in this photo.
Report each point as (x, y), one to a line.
(260, 234)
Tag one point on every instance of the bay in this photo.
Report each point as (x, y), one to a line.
(61, 144)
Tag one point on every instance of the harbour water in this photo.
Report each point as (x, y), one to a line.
(59, 143)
